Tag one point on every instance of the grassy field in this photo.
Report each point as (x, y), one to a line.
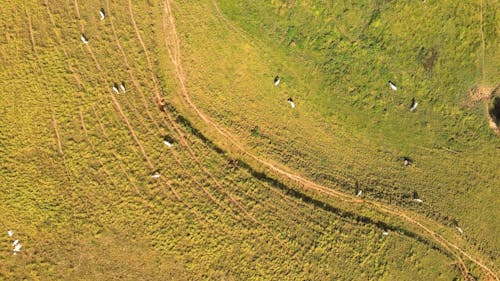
(251, 189)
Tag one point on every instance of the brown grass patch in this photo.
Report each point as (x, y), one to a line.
(484, 94)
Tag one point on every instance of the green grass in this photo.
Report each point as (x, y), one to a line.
(87, 209)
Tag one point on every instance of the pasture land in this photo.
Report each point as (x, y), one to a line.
(251, 189)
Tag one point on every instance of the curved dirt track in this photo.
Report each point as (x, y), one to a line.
(172, 44)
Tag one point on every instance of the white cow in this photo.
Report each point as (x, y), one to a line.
(414, 105)
(115, 89)
(167, 143)
(84, 39)
(276, 80)
(10, 233)
(102, 14)
(358, 194)
(292, 104)
(17, 248)
(122, 87)
(393, 86)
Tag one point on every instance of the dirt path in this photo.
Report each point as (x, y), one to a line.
(177, 129)
(173, 48)
(157, 94)
(109, 177)
(123, 117)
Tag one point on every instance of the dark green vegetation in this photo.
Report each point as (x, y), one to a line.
(494, 109)
(76, 159)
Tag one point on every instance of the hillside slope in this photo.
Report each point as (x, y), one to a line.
(249, 189)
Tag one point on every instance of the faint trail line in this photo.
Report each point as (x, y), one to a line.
(134, 24)
(54, 121)
(80, 84)
(99, 122)
(77, 9)
(176, 59)
(183, 141)
(174, 53)
(126, 174)
(87, 138)
(126, 120)
(136, 85)
(85, 129)
(129, 69)
(77, 78)
(117, 105)
(229, 23)
(132, 132)
(483, 43)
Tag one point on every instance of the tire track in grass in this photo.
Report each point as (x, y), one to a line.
(117, 159)
(115, 101)
(100, 69)
(51, 108)
(54, 121)
(136, 85)
(69, 175)
(84, 127)
(109, 176)
(81, 85)
(174, 55)
(209, 146)
(87, 138)
(79, 82)
(183, 141)
(123, 116)
(176, 195)
(99, 121)
(175, 58)
(129, 69)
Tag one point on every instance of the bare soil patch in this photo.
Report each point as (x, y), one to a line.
(490, 96)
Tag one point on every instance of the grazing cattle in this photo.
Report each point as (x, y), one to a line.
(393, 86)
(156, 175)
(358, 194)
(418, 200)
(292, 104)
(276, 80)
(10, 233)
(102, 14)
(17, 247)
(15, 243)
(413, 105)
(460, 230)
(122, 87)
(115, 88)
(385, 233)
(168, 142)
(407, 161)
(84, 39)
